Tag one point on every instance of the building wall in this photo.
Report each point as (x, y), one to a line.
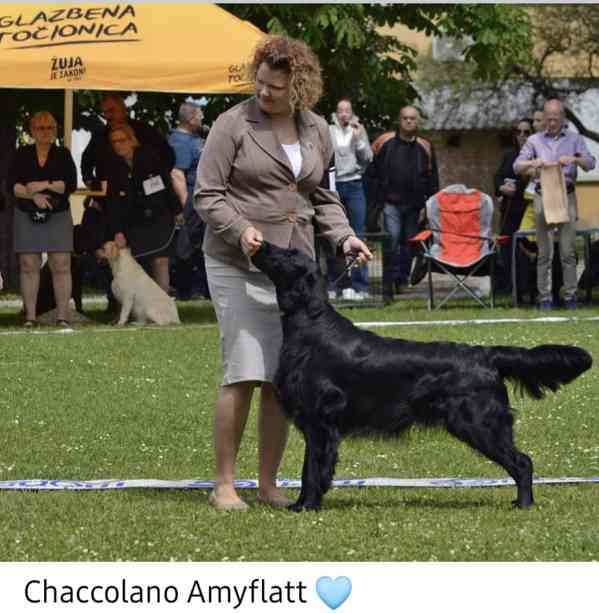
(470, 157)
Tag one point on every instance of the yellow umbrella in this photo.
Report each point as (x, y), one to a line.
(175, 47)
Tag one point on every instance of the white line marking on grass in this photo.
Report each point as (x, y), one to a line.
(115, 484)
(361, 324)
(465, 322)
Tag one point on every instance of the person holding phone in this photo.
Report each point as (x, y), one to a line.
(352, 155)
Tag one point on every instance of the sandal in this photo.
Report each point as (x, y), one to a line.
(64, 324)
(30, 323)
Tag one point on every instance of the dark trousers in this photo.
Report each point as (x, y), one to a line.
(401, 223)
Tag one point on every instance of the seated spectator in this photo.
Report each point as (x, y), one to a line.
(142, 204)
(42, 176)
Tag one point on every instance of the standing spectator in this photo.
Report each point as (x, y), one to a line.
(187, 145)
(141, 202)
(352, 154)
(99, 155)
(264, 174)
(99, 161)
(555, 145)
(509, 188)
(42, 176)
(406, 175)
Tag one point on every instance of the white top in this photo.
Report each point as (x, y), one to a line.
(294, 154)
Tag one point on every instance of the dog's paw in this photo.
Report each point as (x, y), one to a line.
(517, 504)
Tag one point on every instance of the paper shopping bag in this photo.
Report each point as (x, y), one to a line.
(554, 196)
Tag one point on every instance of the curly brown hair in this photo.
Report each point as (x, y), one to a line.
(299, 61)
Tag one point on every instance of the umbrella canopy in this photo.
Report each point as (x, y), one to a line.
(169, 47)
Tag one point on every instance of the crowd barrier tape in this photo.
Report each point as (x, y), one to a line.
(193, 484)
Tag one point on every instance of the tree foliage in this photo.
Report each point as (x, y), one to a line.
(362, 60)
(563, 63)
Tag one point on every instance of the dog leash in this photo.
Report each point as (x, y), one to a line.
(352, 260)
(153, 251)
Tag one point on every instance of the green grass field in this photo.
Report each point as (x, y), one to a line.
(137, 404)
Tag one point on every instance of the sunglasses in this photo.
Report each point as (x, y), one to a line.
(45, 128)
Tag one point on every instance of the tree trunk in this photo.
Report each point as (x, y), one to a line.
(8, 137)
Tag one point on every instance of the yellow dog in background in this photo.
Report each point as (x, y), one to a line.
(137, 292)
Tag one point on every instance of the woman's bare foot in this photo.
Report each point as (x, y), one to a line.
(226, 499)
(274, 498)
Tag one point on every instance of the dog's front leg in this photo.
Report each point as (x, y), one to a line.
(311, 493)
(126, 308)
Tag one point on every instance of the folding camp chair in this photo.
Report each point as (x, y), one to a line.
(459, 242)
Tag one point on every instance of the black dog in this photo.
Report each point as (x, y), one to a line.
(335, 379)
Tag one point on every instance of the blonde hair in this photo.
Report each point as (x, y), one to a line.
(126, 129)
(294, 57)
(40, 117)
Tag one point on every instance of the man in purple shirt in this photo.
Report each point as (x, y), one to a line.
(555, 144)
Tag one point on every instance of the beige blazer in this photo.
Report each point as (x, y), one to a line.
(245, 179)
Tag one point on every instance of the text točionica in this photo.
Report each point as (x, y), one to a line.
(257, 591)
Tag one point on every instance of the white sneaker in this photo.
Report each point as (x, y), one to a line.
(363, 295)
(349, 294)
(332, 294)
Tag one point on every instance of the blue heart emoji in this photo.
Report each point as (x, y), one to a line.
(333, 592)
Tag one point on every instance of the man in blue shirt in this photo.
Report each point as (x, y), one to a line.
(188, 145)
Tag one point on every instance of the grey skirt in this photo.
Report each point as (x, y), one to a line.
(54, 235)
(249, 322)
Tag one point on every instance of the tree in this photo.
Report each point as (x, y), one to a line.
(564, 63)
(363, 61)
(566, 58)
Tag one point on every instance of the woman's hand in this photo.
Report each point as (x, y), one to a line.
(41, 201)
(34, 187)
(508, 189)
(180, 219)
(354, 246)
(251, 241)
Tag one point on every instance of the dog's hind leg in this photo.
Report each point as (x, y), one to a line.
(493, 437)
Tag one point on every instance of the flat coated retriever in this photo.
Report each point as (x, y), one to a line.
(335, 379)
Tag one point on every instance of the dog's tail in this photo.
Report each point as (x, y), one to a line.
(536, 370)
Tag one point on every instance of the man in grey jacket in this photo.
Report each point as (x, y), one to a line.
(352, 155)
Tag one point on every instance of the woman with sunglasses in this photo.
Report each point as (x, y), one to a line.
(42, 176)
(509, 189)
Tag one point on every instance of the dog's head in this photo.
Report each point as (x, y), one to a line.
(298, 281)
(109, 251)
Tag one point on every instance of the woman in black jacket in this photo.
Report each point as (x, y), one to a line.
(42, 176)
(142, 205)
(509, 189)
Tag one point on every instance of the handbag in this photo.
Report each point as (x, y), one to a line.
(37, 215)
